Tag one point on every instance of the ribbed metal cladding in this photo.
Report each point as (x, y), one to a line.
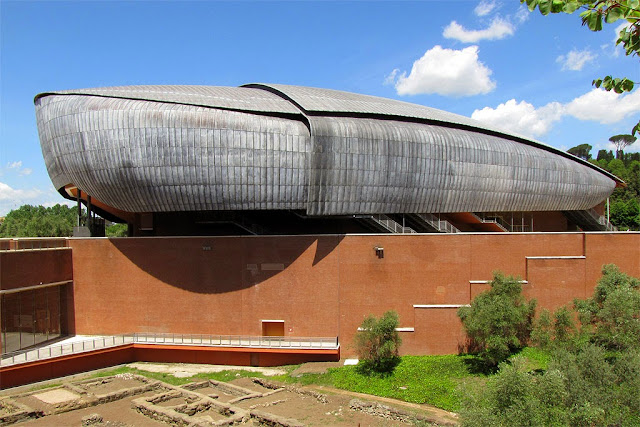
(141, 156)
(235, 98)
(186, 148)
(374, 166)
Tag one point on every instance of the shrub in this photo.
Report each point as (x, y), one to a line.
(560, 331)
(515, 397)
(611, 317)
(377, 343)
(499, 321)
(593, 377)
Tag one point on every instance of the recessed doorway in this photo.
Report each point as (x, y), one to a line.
(273, 328)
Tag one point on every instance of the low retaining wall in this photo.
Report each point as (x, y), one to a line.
(30, 372)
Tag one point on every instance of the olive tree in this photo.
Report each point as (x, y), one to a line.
(377, 342)
(499, 321)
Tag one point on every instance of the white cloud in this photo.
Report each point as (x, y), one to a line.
(522, 14)
(596, 105)
(11, 198)
(498, 29)
(391, 78)
(445, 72)
(484, 8)
(8, 193)
(604, 107)
(16, 167)
(575, 60)
(521, 117)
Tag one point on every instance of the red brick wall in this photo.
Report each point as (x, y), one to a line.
(19, 269)
(325, 286)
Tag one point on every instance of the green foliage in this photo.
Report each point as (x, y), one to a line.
(38, 221)
(593, 376)
(618, 85)
(622, 141)
(594, 14)
(377, 343)
(611, 317)
(605, 155)
(551, 332)
(583, 151)
(499, 321)
(626, 214)
(542, 335)
(417, 379)
(624, 207)
(515, 397)
(582, 388)
(116, 230)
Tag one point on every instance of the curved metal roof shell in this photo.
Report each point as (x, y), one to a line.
(260, 147)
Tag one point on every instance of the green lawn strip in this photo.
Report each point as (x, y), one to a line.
(417, 379)
(166, 378)
(537, 359)
(226, 376)
(44, 386)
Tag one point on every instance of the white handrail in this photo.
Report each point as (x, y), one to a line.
(200, 340)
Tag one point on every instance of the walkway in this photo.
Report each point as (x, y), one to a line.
(83, 343)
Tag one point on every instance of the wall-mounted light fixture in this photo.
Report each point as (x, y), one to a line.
(379, 251)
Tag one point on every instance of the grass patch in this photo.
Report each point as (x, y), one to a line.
(44, 386)
(166, 378)
(417, 379)
(226, 376)
(537, 359)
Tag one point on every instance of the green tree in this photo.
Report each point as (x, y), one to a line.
(625, 200)
(499, 320)
(593, 14)
(516, 397)
(621, 142)
(116, 230)
(38, 221)
(583, 151)
(377, 343)
(593, 378)
(611, 317)
(605, 155)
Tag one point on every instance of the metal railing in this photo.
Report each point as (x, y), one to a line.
(391, 225)
(102, 342)
(441, 225)
(492, 218)
(64, 348)
(238, 341)
(602, 220)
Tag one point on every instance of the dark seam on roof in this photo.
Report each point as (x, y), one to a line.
(420, 120)
(279, 114)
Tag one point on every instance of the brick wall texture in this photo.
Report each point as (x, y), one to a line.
(324, 286)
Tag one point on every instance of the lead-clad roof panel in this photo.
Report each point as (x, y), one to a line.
(316, 100)
(313, 99)
(235, 98)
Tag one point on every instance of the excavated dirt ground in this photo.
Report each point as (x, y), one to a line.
(110, 402)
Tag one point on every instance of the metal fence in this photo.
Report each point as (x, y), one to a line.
(239, 341)
(102, 342)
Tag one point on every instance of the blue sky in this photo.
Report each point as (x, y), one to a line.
(490, 60)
